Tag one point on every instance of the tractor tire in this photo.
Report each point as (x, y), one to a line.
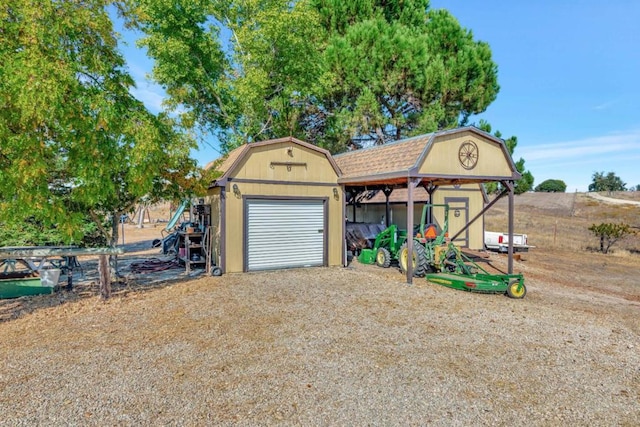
(383, 258)
(420, 262)
(514, 292)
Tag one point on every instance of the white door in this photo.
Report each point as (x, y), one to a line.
(285, 233)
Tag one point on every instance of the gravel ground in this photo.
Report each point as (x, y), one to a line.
(328, 346)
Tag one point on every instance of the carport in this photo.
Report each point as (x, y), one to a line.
(455, 157)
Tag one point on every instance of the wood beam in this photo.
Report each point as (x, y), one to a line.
(482, 212)
(412, 183)
(511, 186)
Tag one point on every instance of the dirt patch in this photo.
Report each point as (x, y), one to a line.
(624, 195)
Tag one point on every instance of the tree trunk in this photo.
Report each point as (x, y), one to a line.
(113, 242)
(105, 277)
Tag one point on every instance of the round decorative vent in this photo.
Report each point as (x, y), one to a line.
(468, 155)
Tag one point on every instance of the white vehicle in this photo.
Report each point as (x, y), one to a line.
(495, 241)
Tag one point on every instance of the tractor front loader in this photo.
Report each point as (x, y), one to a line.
(385, 247)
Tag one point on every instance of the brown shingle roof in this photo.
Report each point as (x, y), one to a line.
(382, 159)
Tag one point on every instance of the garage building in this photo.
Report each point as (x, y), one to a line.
(283, 203)
(277, 205)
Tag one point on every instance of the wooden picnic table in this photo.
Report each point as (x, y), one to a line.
(62, 257)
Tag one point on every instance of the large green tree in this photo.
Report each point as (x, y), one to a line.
(242, 70)
(396, 69)
(609, 182)
(76, 146)
(332, 72)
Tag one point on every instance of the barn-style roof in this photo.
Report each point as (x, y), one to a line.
(235, 156)
(388, 164)
(394, 163)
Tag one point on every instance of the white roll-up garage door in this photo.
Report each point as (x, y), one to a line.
(285, 234)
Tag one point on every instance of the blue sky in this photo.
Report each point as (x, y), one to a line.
(569, 73)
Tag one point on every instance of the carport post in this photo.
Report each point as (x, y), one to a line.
(411, 184)
(387, 192)
(510, 185)
(431, 188)
(344, 225)
(353, 201)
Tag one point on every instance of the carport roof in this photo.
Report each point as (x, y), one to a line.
(393, 163)
(399, 156)
(399, 195)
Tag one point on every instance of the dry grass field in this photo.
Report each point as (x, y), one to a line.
(344, 346)
(561, 220)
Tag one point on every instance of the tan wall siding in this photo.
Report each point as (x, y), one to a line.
(235, 217)
(309, 165)
(442, 159)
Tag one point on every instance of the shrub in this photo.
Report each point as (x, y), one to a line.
(551, 186)
(609, 233)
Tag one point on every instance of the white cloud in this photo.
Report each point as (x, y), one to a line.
(626, 143)
(575, 161)
(605, 105)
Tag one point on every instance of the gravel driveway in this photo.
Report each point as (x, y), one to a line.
(324, 346)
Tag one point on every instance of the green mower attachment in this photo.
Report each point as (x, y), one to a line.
(510, 284)
(457, 271)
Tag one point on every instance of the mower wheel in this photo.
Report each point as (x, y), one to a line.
(383, 258)
(514, 290)
(420, 263)
(216, 271)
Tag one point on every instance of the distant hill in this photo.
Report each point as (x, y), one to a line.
(563, 219)
(557, 203)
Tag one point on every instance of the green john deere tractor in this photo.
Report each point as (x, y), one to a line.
(442, 262)
(385, 247)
